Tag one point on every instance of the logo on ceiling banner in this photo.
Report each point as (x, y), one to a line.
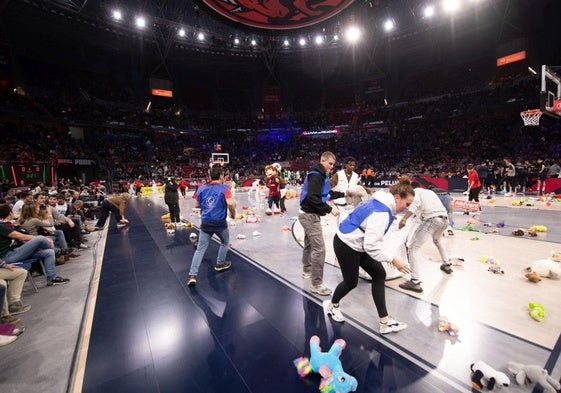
(278, 14)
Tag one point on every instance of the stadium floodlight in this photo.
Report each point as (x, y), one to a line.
(201, 36)
(117, 14)
(302, 41)
(286, 42)
(319, 39)
(336, 37)
(451, 6)
(389, 25)
(353, 34)
(140, 22)
(181, 32)
(236, 41)
(253, 42)
(428, 11)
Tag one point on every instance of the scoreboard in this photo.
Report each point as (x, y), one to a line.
(27, 174)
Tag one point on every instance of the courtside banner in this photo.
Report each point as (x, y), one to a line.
(465, 205)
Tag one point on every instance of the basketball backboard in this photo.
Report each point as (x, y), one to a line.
(220, 158)
(550, 94)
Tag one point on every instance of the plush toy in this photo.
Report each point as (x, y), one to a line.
(537, 311)
(539, 228)
(527, 374)
(170, 228)
(355, 194)
(533, 277)
(546, 268)
(290, 193)
(328, 365)
(518, 232)
(496, 269)
(556, 256)
(485, 376)
(532, 232)
(446, 326)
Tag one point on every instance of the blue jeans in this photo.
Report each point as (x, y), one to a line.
(38, 247)
(446, 200)
(204, 241)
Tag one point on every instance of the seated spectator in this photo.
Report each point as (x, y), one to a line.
(36, 220)
(6, 337)
(12, 277)
(30, 247)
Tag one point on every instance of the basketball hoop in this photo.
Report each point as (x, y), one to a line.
(531, 117)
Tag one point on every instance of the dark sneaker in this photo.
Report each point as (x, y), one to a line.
(19, 308)
(10, 319)
(411, 286)
(446, 268)
(223, 266)
(57, 281)
(192, 281)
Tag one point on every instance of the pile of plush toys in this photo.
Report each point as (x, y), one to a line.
(495, 266)
(483, 376)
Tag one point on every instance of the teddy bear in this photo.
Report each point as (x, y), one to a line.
(546, 268)
(527, 374)
(170, 228)
(356, 194)
(556, 256)
(328, 365)
(485, 376)
(533, 277)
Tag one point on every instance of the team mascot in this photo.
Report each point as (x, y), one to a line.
(273, 183)
(328, 365)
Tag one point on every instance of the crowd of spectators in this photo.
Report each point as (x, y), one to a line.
(435, 135)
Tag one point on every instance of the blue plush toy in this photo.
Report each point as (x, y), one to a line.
(328, 365)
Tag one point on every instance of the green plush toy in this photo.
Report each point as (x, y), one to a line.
(537, 311)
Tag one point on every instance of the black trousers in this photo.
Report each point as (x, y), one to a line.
(349, 261)
(174, 211)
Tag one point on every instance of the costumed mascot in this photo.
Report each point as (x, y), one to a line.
(273, 183)
(328, 365)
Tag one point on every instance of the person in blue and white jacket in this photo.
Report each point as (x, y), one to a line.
(359, 243)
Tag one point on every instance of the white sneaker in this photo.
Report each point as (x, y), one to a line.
(392, 326)
(321, 290)
(5, 340)
(335, 312)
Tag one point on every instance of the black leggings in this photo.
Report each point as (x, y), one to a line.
(349, 261)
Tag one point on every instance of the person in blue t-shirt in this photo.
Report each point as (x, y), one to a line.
(215, 200)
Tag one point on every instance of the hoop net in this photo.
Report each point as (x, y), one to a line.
(531, 117)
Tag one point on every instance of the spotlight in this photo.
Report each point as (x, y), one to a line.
(451, 6)
(319, 40)
(353, 34)
(253, 42)
(286, 42)
(389, 25)
(201, 36)
(236, 41)
(140, 22)
(181, 32)
(117, 15)
(302, 41)
(336, 37)
(428, 12)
